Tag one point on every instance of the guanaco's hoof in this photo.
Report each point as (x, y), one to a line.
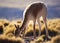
(46, 38)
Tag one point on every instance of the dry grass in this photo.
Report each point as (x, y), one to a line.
(5, 39)
(56, 39)
(53, 27)
(7, 30)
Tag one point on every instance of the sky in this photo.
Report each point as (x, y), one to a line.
(14, 8)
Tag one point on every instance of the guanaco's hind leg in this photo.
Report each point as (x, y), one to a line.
(46, 28)
(39, 26)
(44, 18)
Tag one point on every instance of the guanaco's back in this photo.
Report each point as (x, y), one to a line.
(35, 10)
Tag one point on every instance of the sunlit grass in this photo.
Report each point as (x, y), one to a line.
(56, 39)
(53, 25)
(5, 39)
(9, 30)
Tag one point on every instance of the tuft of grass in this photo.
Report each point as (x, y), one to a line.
(5, 39)
(9, 29)
(38, 39)
(56, 39)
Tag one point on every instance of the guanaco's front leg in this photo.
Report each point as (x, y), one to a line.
(34, 28)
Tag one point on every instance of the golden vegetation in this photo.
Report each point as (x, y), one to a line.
(56, 39)
(7, 30)
(5, 39)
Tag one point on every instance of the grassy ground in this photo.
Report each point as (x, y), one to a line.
(7, 30)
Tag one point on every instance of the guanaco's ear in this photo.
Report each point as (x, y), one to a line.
(15, 25)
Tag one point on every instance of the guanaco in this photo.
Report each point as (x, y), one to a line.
(33, 12)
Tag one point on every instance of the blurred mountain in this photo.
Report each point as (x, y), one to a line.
(53, 11)
(15, 13)
(10, 13)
